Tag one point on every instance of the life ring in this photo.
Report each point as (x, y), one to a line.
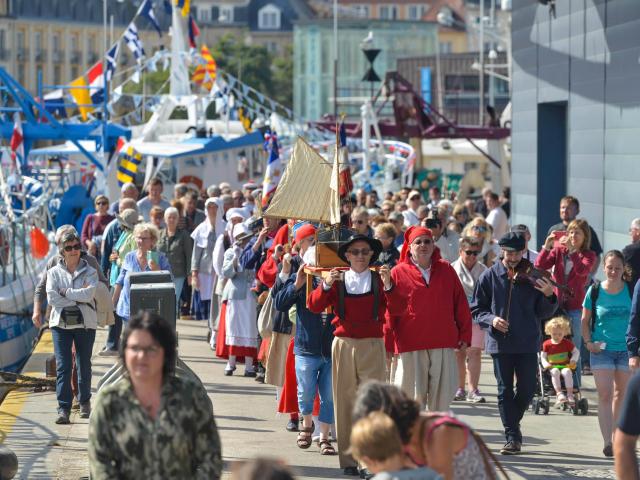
(187, 179)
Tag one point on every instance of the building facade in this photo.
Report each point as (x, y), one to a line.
(576, 114)
(313, 63)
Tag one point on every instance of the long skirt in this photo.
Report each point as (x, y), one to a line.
(223, 349)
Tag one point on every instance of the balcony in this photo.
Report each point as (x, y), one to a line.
(40, 55)
(22, 54)
(76, 56)
(57, 56)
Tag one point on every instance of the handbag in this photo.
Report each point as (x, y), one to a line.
(265, 319)
(72, 316)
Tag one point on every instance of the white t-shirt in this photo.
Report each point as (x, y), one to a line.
(498, 220)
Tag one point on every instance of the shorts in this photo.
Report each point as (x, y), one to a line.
(610, 360)
(477, 336)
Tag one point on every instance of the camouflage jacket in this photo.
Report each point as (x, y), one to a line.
(182, 442)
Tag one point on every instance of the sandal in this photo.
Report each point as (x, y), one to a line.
(304, 437)
(326, 448)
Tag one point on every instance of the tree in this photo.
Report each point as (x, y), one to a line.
(283, 77)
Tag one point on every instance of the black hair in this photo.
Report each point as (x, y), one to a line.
(161, 332)
(378, 396)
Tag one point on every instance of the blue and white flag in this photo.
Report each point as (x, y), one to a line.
(112, 60)
(146, 10)
(133, 41)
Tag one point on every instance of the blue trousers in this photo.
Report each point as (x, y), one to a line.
(115, 331)
(576, 329)
(313, 373)
(513, 401)
(63, 339)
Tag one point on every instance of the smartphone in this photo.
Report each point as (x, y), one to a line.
(152, 256)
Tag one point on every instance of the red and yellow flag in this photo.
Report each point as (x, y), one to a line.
(205, 74)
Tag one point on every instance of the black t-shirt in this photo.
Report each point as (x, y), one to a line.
(631, 255)
(629, 421)
(595, 243)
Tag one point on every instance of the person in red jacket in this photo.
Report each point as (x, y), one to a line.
(434, 321)
(569, 254)
(359, 300)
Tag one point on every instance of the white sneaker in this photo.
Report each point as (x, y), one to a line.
(475, 397)
(107, 353)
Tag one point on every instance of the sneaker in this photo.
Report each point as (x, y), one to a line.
(106, 352)
(365, 473)
(85, 410)
(259, 377)
(476, 397)
(292, 426)
(460, 395)
(608, 450)
(586, 370)
(351, 471)
(512, 447)
(250, 373)
(228, 371)
(63, 417)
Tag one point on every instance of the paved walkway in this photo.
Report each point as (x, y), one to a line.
(556, 446)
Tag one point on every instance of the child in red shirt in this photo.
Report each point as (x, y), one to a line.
(560, 356)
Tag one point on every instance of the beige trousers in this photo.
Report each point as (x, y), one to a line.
(428, 376)
(355, 360)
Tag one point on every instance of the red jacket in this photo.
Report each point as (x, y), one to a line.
(430, 316)
(578, 276)
(358, 310)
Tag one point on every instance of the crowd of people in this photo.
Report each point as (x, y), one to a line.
(360, 353)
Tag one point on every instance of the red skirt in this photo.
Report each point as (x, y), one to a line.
(222, 349)
(289, 397)
(264, 350)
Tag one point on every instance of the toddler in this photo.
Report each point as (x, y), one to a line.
(560, 356)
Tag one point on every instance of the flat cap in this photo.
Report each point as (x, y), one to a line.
(512, 242)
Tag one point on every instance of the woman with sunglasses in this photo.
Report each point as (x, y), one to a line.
(480, 229)
(71, 287)
(431, 320)
(94, 226)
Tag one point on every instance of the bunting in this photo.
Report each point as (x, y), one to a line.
(17, 141)
(128, 165)
(184, 6)
(245, 118)
(205, 75)
(133, 41)
(146, 10)
(79, 90)
(194, 32)
(274, 168)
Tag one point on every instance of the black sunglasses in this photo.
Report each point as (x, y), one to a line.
(68, 248)
(422, 242)
(475, 253)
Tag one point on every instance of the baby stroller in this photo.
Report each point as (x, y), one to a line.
(544, 391)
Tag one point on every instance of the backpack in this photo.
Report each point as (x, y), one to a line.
(595, 292)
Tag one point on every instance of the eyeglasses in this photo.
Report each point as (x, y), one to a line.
(422, 242)
(143, 238)
(152, 350)
(68, 248)
(359, 222)
(479, 228)
(414, 198)
(475, 253)
(102, 203)
(360, 251)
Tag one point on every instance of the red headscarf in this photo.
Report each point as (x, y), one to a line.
(409, 236)
(269, 269)
(306, 230)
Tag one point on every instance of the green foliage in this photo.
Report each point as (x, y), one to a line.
(152, 83)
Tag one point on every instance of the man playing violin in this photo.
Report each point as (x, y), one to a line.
(510, 312)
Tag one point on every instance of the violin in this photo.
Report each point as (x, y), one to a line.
(526, 273)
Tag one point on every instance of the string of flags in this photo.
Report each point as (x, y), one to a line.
(128, 163)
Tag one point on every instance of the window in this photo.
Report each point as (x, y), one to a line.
(446, 48)
(226, 14)
(20, 40)
(272, 47)
(21, 74)
(415, 12)
(55, 42)
(37, 42)
(204, 15)
(57, 75)
(269, 17)
(387, 12)
(92, 44)
(362, 11)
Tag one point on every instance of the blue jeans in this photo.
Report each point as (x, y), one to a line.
(113, 336)
(63, 339)
(314, 375)
(513, 402)
(576, 329)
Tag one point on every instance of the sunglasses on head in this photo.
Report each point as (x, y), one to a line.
(475, 253)
(423, 242)
(68, 248)
(360, 251)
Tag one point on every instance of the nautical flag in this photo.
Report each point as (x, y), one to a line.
(167, 7)
(245, 118)
(146, 10)
(95, 77)
(133, 41)
(17, 141)
(80, 93)
(205, 74)
(194, 32)
(274, 169)
(184, 6)
(54, 103)
(128, 165)
(111, 60)
(346, 184)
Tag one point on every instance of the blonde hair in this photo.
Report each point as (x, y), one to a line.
(583, 226)
(480, 222)
(558, 323)
(376, 437)
(149, 228)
